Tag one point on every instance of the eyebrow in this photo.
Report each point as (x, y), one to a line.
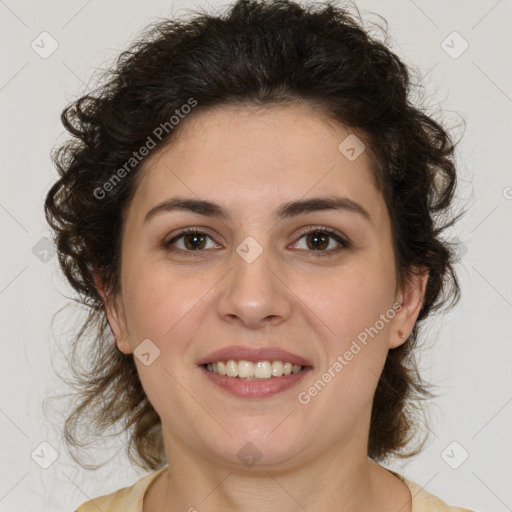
(286, 210)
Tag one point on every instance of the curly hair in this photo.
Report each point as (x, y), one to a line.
(254, 53)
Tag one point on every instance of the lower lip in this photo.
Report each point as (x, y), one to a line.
(255, 388)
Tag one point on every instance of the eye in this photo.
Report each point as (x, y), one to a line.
(192, 240)
(318, 240)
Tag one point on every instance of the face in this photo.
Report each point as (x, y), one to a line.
(316, 282)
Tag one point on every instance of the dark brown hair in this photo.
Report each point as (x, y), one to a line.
(255, 53)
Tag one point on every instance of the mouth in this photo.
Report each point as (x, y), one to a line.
(250, 372)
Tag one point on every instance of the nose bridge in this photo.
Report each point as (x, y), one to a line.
(254, 293)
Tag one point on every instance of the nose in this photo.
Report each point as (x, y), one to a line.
(255, 293)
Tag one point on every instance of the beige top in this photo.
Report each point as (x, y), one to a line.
(129, 499)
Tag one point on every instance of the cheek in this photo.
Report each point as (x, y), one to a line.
(161, 303)
(161, 306)
(359, 314)
(353, 300)
(153, 302)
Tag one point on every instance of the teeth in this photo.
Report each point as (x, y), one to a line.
(263, 370)
(231, 368)
(221, 368)
(245, 369)
(251, 371)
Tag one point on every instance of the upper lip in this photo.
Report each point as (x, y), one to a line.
(247, 353)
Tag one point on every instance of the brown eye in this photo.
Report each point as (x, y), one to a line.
(317, 240)
(190, 240)
(194, 241)
(323, 242)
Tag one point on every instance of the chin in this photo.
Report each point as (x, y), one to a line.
(258, 446)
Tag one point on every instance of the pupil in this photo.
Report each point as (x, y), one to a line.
(196, 238)
(319, 241)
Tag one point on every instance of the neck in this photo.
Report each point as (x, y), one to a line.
(345, 482)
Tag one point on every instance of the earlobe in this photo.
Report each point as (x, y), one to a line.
(411, 299)
(115, 316)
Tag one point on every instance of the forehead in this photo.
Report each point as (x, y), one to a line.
(244, 157)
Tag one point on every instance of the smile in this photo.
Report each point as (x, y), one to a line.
(247, 385)
(261, 370)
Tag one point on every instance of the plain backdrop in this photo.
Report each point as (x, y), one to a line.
(461, 48)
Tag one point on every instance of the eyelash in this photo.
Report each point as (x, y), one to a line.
(345, 244)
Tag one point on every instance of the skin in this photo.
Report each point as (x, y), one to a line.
(250, 161)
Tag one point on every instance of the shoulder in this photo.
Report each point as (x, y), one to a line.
(422, 501)
(127, 499)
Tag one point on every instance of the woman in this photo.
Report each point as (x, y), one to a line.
(252, 209)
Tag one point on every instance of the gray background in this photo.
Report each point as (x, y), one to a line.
(469, 360)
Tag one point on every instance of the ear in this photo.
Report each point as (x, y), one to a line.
(410, 296)
(115, 314)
